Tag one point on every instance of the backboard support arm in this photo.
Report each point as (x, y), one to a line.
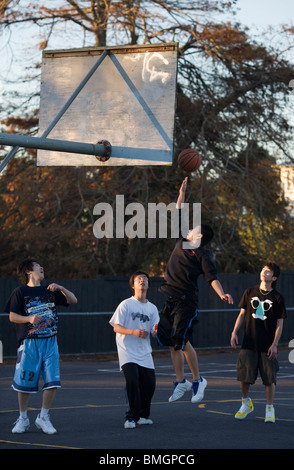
(13, 151)
(101, 149)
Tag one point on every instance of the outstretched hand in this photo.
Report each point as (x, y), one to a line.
(182, 192)
(184, 185)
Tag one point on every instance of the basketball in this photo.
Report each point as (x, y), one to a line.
(189, 160)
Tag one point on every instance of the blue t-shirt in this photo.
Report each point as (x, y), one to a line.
(28, 301)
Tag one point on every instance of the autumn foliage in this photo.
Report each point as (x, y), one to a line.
(230, 99)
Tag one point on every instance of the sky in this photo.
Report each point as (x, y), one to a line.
(252, 13)
(256, 14)
(261, 13)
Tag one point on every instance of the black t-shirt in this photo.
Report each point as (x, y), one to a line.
(262, 313)
(28, 301)
(185, 266)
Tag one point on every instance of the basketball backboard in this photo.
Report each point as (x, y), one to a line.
(128, 100)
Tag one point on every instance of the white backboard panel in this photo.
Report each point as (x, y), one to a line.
(129, 101)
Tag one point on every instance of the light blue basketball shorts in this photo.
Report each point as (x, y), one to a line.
(37, 357)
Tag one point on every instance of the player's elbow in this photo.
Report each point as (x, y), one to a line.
(12, 317)
(72, 300)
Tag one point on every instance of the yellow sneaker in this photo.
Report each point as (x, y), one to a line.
(246, 408)
(269, 414)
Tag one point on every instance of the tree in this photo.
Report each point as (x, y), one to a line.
(231, 92)
(252, 212)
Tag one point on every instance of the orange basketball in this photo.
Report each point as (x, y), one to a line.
(189, 160)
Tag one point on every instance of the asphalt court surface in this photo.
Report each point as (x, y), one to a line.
(88, 411)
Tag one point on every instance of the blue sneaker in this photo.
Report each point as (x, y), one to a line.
(198, 387)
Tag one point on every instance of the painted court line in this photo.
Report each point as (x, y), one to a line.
(52, 446)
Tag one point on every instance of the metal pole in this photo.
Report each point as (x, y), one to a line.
(63, 110)
(52, 144)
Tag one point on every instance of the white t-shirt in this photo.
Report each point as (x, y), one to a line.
(133, 314)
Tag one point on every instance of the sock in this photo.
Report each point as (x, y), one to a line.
(44, 412)
(181, 382)
(23, 414)
(198, 380)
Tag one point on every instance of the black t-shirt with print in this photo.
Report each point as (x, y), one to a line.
(262, 313)
(28, 301)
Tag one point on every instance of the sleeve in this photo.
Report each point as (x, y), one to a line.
(281, 308)
(15, 302)
(60, 298)
(243, 301)
(208, 268)
(119, 315)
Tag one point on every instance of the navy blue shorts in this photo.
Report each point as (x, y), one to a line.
(36, 357)
(175, 327)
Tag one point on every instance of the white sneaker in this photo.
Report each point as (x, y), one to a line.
(246, 408)
(198, 387)
(21, 425)
(45, 424)
(145, 421)
(269, 414)
(180, 389)
(129, 424)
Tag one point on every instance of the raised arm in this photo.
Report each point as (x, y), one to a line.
(182, 192)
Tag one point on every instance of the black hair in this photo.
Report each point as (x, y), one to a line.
(275, 269)
(137, 273)
(24, 267)
(207, 234)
